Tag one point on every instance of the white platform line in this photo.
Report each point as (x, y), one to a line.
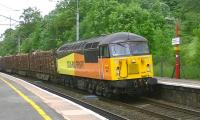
(187, 85)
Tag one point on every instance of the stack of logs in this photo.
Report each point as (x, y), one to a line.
(38, 62)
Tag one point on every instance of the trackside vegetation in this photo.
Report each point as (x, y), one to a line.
(153, 19)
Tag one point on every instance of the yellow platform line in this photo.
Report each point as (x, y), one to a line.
(28, 100)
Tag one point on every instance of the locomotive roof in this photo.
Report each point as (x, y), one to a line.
(107, 39)
(117, 37)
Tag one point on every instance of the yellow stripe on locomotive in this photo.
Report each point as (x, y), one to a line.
(65, 65)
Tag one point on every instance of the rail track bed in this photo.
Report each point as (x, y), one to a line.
(164, 110)
(103, 112)
(141, 109)
(172, 111)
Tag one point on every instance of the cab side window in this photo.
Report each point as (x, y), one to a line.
(104, 51)
(91, 52)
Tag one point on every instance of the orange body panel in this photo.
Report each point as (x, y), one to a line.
(76, 66)
(105, 68)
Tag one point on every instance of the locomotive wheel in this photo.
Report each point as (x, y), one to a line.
(91, 88)
(106, 91)
(71, 82)
(99, 89)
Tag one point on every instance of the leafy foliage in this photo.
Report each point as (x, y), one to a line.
(153, 19)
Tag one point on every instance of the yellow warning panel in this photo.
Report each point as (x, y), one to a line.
(65, 65)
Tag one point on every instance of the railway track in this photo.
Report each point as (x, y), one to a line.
(162, 110)
(105, 113)
(172, 111)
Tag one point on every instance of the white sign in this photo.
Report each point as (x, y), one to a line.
(176, 41)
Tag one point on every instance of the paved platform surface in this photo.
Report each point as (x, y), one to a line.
(179, 82)
(20, 100)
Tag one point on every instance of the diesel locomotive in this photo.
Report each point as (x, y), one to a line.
(119, 64)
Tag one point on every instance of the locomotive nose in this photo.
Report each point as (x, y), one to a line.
(139, 66)
(133, 67)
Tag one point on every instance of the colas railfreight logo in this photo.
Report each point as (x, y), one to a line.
(75, 64)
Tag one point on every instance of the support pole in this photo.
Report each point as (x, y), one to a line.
(77, 21)
(18, 44)
(177, 67)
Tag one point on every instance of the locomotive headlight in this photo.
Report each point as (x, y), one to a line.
(133, 61)
(148, 68)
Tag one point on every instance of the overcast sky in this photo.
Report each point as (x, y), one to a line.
(14, 8)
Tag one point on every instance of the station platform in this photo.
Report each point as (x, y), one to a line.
(20, 100)
(180, 91)
(194, 84)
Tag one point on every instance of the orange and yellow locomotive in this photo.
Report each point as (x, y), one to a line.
(119, 63)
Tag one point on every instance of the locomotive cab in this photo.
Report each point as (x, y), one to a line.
(125, 60)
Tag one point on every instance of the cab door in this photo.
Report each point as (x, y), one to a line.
(104, 62)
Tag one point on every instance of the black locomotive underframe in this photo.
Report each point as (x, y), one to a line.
(107, 88)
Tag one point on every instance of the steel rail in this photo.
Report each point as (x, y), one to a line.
(168, 106)
(161, 105)
(140, 109)
(105, 113)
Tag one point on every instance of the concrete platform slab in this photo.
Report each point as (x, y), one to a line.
(179, 82)
(56, 107)
(14, 107)
(181, 91)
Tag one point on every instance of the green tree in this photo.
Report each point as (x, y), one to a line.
(9, 44)
(31, 15)
(29, 30)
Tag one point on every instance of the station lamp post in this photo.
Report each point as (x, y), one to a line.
(77, 17)
(177, 52)
(77, 20)
(176, 43)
